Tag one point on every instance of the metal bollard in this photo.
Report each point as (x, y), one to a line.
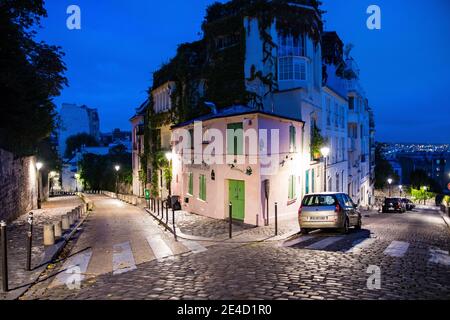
(49, 235)
(29, 241)
(230, 217)
(58, 229)
(173, 223)
(167, 214)
(65, 222)
(157, 206)
(276, 218)
(4, 255)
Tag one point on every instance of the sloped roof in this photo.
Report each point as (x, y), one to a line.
(233, 111)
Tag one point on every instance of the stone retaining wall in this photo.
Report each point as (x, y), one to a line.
(18, 185)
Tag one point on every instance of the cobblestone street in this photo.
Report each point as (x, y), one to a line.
(412, 251)
(51, 212)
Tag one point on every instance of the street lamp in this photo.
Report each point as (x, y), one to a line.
(39, 166)
(325, 151)
(117, 168)
(390, 184)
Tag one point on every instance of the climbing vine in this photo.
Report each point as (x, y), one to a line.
(212, 69)
(317, 142)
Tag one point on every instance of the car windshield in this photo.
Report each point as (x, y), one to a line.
(319, 201)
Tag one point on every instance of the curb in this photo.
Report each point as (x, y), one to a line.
(184, 236)
(51, 253)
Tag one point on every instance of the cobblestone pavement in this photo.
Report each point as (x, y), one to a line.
(51, 211)
(201, 226)
(411, 251)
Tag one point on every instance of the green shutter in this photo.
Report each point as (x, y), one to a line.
(202, 183)
(292, 192)
(235, 139)
(191, 184)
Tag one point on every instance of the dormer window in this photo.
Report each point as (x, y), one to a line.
(291, 58)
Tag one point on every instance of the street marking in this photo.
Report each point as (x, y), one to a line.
(439, 256)
(160, 249)
(193, 246)
(297, 241)
(397, 249)
(75, 265)
(360, 245)
(324, 243)
(123, 260)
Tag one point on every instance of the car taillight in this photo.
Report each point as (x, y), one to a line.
(300, 211)
(338, 208)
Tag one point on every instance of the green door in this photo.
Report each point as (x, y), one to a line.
(236, 194)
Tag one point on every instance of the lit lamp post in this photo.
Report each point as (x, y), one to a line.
(390, 186)
(325, 151)
(39, 166)
(117, 168)
(425, 189)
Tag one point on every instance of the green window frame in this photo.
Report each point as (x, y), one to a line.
(292, 193)
(202, 191)
(307, 182)
(235, 139)
(191, 183)
(292, 139)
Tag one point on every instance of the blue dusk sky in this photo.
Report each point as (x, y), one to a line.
(405, 66)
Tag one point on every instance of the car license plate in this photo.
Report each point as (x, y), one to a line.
(318, 218)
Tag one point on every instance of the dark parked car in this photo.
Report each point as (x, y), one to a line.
(410, 206)
(394, 205)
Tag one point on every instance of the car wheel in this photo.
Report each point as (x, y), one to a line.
(345, 227)
(305, 231)
(359, 225)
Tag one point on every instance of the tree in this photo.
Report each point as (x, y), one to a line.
(422, 194)
(74, 143)
(97, 171)
(419, 178)
(383, 169)
(31, 75)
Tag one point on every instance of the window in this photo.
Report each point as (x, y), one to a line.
(307, 182)
(320, 201)
(292, 68)
(291, 62)
(289, 46)
(351, 103)
(292, 139)
(235, 139)
(202, 183)
(191, 135)
(336, 115)
(328, 111)
(313, 181)
(191, 183)
(292, 194)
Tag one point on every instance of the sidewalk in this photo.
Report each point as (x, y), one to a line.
(51, 211)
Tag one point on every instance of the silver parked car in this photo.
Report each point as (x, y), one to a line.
(328, 211)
